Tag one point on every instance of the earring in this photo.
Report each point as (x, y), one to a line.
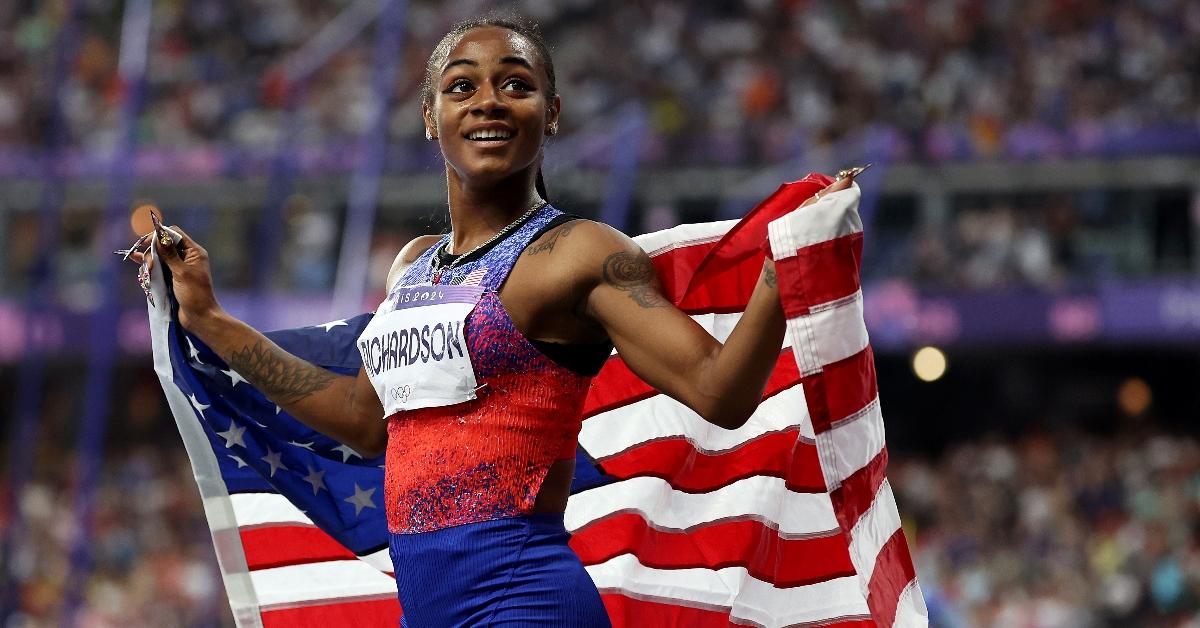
(429, 136)
(552, 129)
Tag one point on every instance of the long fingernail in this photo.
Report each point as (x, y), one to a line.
(850, 173)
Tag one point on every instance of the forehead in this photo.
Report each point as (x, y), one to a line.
(491, 43)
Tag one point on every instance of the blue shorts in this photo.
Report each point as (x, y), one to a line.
(507, 572)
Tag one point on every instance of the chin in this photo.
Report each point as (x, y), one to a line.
(489, 171)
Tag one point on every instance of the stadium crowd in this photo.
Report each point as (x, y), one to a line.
(741, 82)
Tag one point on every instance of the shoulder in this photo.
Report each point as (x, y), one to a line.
(409, 254)
(591, 250)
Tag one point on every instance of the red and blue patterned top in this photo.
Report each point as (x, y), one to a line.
(486, 458)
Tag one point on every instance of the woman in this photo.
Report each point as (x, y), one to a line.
(482, 353)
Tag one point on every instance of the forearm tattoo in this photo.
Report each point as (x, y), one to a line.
(769, 276)
(633, 274)
(552, 239)
(283, 378)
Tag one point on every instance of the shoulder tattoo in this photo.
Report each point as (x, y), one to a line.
(552, 238)
(634, 275)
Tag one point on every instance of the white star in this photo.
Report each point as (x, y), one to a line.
(234, 378)
(317, 479)
(277, 408)
(361, 499)
(346, 452)
(233, 435)
(307, 446)
(241, 463)
(200, 407)
(273, 458)
(331, 324)
(193, 351)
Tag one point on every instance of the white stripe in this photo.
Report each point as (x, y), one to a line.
(762, 498)
(872, 530)
(911, 611)
(254, 509)
(660, 416)
(851, 444)
(330, 580)
(682, 236)
(828, 333)
(746, 598)
(218, 509)
(381, 560)
(833, 216)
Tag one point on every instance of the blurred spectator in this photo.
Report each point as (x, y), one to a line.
(755, 81)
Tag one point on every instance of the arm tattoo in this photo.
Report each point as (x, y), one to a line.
(633, 274)
(769, 276)
(555, 236)
(281, 376)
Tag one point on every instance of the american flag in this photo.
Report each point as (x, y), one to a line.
(786, 521)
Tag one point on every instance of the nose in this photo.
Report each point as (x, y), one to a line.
(489, 101)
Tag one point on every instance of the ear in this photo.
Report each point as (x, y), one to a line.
(552, 113)
(430, 124)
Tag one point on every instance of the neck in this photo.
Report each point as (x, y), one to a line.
(479, 212)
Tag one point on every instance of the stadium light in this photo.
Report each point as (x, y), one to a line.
(929, 364)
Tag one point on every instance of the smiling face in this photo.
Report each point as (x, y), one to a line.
(491, 106)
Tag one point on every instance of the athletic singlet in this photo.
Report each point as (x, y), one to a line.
(485, 458)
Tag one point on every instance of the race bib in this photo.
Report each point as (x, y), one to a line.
(415, 349)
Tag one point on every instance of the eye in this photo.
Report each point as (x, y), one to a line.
(459, 86)
(519, 85)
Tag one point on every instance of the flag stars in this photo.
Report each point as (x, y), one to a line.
(234, 377)
(240, 463)
(200, 407)
(233, 435)
(361, 499)
(346, 452)
(316, 479)
(273, 458)
(307, 446)
(331, 324)
(193, 352)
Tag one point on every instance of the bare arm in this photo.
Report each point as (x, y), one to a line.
(342, 407)
(721, 382)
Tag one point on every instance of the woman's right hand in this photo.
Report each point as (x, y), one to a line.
(190, 275)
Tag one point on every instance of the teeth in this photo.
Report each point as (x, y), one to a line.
(489, 134)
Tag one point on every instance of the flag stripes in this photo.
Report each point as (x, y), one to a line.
(839, 375)
(785, 521)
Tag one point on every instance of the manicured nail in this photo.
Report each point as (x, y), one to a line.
(853, 172)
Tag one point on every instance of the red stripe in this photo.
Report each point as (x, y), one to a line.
(636, 612)
(676, 460)
(625, 611)
(720, 276)
(613, 387)
(856, 494)
(382, 612)
(745, 543)
(745, 244)
(617, 386)
(819, 273)
(893, 572)
(675, 267)
(282, 545)
(841, 389)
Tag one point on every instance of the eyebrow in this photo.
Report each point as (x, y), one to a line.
(508, 60)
